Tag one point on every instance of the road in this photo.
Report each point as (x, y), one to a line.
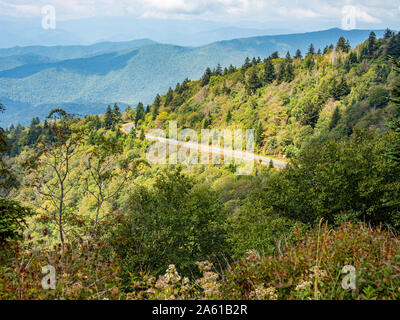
(189, 145)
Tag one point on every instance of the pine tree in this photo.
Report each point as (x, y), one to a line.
(108, 118)
(289, 73)
(170, 96)
(253, 82)
(271, 164)
(156, 106)
(116, 113)
(140, 113)
(247, 64)
(269, 72)
(388, 34)
(371, 43)
(274, 55)
(311, 50)
(218, 70)
(341, 44)
(205, 80)
(298, 54)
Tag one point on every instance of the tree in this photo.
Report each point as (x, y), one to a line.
(298, 54)
(156, 106)
(116, 114)
(253, 82)
(335, 119)
(228, 116)
(140, 113)
(174, 221)
(393, 152)
(388, 34)
(311, 50)
(371, 43)
(205, 80)
(343, 45)
(246, 65)
(378, 97)
(218, 70)
(12, 220)
(339, 90)
(274, 55)
(170, 96)
(12, 214)
(289, 72)
(106, 173)
(52, 171)
(108, 118)
(259, 134)
(269, 72)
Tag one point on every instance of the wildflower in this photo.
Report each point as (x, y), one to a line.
(303, 285)
(262, 293)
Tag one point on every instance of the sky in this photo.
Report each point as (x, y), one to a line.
(279, 13)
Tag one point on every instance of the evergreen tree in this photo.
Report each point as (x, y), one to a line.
(388, 34)
(371, 43)
(274, 55)
(298, 54)
(288, 57)
(156, 106)
(205, 80)
(170, 95)
(253, 82)
(218, 70)
(246, 65)
(311, 50)
(343, 45)
(269, 72)
(108, 119)
(289, 73)
(140, 113)
(271, 164)
(116, 114)
(339, 90)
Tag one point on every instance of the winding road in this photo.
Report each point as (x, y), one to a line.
(189, 145)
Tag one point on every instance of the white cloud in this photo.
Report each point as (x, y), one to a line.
(285, 11)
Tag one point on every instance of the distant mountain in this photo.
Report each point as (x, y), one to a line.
(26, 32)
(137, 74)
(74, 51)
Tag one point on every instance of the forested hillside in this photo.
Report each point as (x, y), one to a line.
(78, 194)
(128, 72)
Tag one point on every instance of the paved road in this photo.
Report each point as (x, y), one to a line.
(235, 154)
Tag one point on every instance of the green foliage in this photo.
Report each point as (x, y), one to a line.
(12, 220)
(312, 269)
(336, 181)
(182, 221)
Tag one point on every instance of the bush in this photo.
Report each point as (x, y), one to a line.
(312, 269)
(174, 222)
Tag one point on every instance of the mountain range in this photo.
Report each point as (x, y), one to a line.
(35, 79)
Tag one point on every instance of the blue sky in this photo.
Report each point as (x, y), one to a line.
(279, 13)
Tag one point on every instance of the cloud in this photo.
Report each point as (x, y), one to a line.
(284, 11)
